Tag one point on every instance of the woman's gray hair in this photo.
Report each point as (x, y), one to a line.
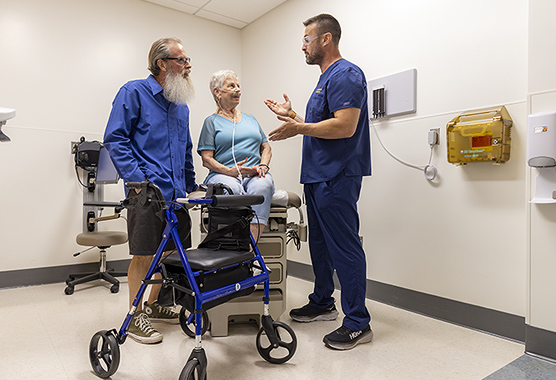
(217, 80)
(160, 49)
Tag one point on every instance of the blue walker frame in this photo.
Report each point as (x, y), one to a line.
(105, 357)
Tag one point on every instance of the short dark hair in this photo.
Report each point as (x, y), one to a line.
(326, 24)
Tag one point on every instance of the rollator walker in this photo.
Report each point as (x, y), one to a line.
(186, 274)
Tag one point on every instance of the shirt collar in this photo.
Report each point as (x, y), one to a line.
(156, 88)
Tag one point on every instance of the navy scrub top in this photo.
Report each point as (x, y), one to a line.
(342, 85)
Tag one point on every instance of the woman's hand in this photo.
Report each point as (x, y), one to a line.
(262, 170)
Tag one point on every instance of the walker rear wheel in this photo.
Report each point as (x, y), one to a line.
(104, 354)
(189, 329)
(283, 350)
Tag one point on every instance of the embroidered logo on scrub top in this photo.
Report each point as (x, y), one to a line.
(318, 90)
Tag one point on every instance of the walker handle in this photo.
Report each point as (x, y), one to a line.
(225, 200)
(237, 200)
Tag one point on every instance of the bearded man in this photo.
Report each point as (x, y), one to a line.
(148, 138)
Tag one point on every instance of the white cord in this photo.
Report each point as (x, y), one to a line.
(233, 150)
(233, 139)
(429, 170)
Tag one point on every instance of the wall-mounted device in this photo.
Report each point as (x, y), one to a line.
(541, 140)
(393, 94)
(477, 136)
(87, 153)
(541, 154)
(5, 115)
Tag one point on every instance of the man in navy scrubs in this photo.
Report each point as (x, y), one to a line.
(336, 156)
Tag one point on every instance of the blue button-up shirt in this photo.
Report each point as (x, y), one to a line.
(148, 138)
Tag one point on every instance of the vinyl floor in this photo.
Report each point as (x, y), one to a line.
(46, 334)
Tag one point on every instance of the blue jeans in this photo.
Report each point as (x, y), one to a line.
(253, 185)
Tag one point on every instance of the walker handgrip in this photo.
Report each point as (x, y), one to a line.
(237, 200)
(133, 185)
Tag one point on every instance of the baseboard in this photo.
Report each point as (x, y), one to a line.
(51, 275)
(540, 342)
(491, 321)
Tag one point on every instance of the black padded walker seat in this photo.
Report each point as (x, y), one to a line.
(208, 259)
(103, 240)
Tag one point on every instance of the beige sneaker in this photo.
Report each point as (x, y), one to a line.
(141, 330)
(157, 313)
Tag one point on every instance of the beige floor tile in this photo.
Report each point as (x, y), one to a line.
(47, 334)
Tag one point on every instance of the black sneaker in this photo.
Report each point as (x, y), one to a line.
(345, 339)
(309, 313)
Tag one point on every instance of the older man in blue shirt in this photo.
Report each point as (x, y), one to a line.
(148, 138)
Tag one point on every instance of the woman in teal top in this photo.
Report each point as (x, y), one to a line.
(235, 149)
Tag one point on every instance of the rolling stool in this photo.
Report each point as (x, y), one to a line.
(102, 240)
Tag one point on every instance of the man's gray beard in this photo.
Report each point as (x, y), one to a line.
(178, 89)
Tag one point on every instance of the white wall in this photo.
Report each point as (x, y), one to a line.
(542, 98)
(463, 236)
(62, 62)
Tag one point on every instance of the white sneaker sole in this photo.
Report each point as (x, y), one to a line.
(145, 340)
(365, 338)
(172, 321)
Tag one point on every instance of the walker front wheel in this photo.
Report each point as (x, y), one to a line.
(281, 351)
(193, 370)
(104, 354)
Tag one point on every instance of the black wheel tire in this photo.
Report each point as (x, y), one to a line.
(104, 354)
(115, 288)
(189, 329)
(284, 351)
(69, 290)
(192, 371)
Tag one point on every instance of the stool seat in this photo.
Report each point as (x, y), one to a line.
(101, 238)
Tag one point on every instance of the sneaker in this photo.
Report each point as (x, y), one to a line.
(141, 330)
(310, 313)
(157, 313)
(345, 339)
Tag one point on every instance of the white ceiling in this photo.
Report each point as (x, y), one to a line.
(236, 13)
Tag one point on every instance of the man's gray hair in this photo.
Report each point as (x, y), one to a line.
(217, 81)
(160, 49)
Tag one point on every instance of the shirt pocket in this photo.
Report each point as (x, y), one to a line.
(183, 130)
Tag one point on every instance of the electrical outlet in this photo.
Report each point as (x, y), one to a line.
(434, 136)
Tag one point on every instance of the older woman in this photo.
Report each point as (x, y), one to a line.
(235, 149)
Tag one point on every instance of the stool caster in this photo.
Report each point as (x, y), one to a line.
(69, 290)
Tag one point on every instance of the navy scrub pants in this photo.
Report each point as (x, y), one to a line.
(334, 244)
